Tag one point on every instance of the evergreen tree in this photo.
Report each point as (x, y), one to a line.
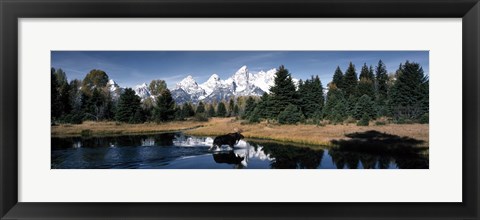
(249, 106)
(76, 116)
(231, 106)
(75, 95)
(179, 113)
(200, 108)
(350, 81)
(165, 109)
(282, 92)
(335, 106)
(128, 105)
(365, 106)
(339, 112)
(221, 110)
(381, 88)
(264, 108)
(188, 109)
(291, 115)
(311, 96)
(365, 72)
(236, 110)
(366, 87)
(364, 120)
(139, 116)
(409, 94)
(95, 106)
(371, 76)
(211, 111)
(63, 106)
(381, 79)
(338, 78)
(54, 96)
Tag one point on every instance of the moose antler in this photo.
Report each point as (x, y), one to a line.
(237, 130)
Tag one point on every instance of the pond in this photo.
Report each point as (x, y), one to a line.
(180, 151)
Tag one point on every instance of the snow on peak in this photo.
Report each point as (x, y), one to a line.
(212, 83)
(190, 86)
(241, 79)
(111, 82)
(264, 80)
(143, 85)
(112, 85)
(142, 91)
(242, 70)
(114, 89)
(187, 82)
(214, 77)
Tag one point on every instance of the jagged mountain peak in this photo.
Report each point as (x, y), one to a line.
(142, 91)
(187, 81)
(242, 70)
(214, 77)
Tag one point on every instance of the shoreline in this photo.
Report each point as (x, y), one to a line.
(295, 134)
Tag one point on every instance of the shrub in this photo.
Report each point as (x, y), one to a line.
(200, 117)
(254, 118)
(86, 133)
(424, 119)
(364, 120)
(381, 121)
(291, 115)
(350, 120)
(322, 123)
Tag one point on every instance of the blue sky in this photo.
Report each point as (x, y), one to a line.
(130, 68)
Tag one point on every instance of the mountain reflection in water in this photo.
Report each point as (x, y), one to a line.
(179, 151)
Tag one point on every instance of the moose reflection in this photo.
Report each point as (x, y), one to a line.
(229, 158)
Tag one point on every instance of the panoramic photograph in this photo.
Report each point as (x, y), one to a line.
(239, 109)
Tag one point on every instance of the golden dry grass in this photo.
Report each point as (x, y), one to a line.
(306, 134)
(302, 134)
(115, 128)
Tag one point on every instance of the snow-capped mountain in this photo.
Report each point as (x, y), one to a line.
(142, 91)
(114, 88)
(241, 83)
(210, 85)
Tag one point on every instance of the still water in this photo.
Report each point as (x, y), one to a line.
(179, 151)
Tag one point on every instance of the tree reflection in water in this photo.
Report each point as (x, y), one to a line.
(291, 157)
(367, 150)
(377, 150)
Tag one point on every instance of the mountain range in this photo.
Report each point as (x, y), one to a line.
(241, 83)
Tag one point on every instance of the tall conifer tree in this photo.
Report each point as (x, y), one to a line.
(282, 92)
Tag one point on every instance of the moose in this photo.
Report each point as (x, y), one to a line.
(229, 139)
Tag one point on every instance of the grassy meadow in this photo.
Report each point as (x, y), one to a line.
(302, 134)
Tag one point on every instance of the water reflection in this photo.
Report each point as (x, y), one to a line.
(229, 157)
(372, 149)
(179, 151)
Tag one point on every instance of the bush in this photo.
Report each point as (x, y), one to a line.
(322, 123)
(350, 120)
(291, 115)
(381, 121)
(86, 133)
(200, 117)
(424, 119)
(364, 120)
(254, 118)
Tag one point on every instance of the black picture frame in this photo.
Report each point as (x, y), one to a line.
(12, 10)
